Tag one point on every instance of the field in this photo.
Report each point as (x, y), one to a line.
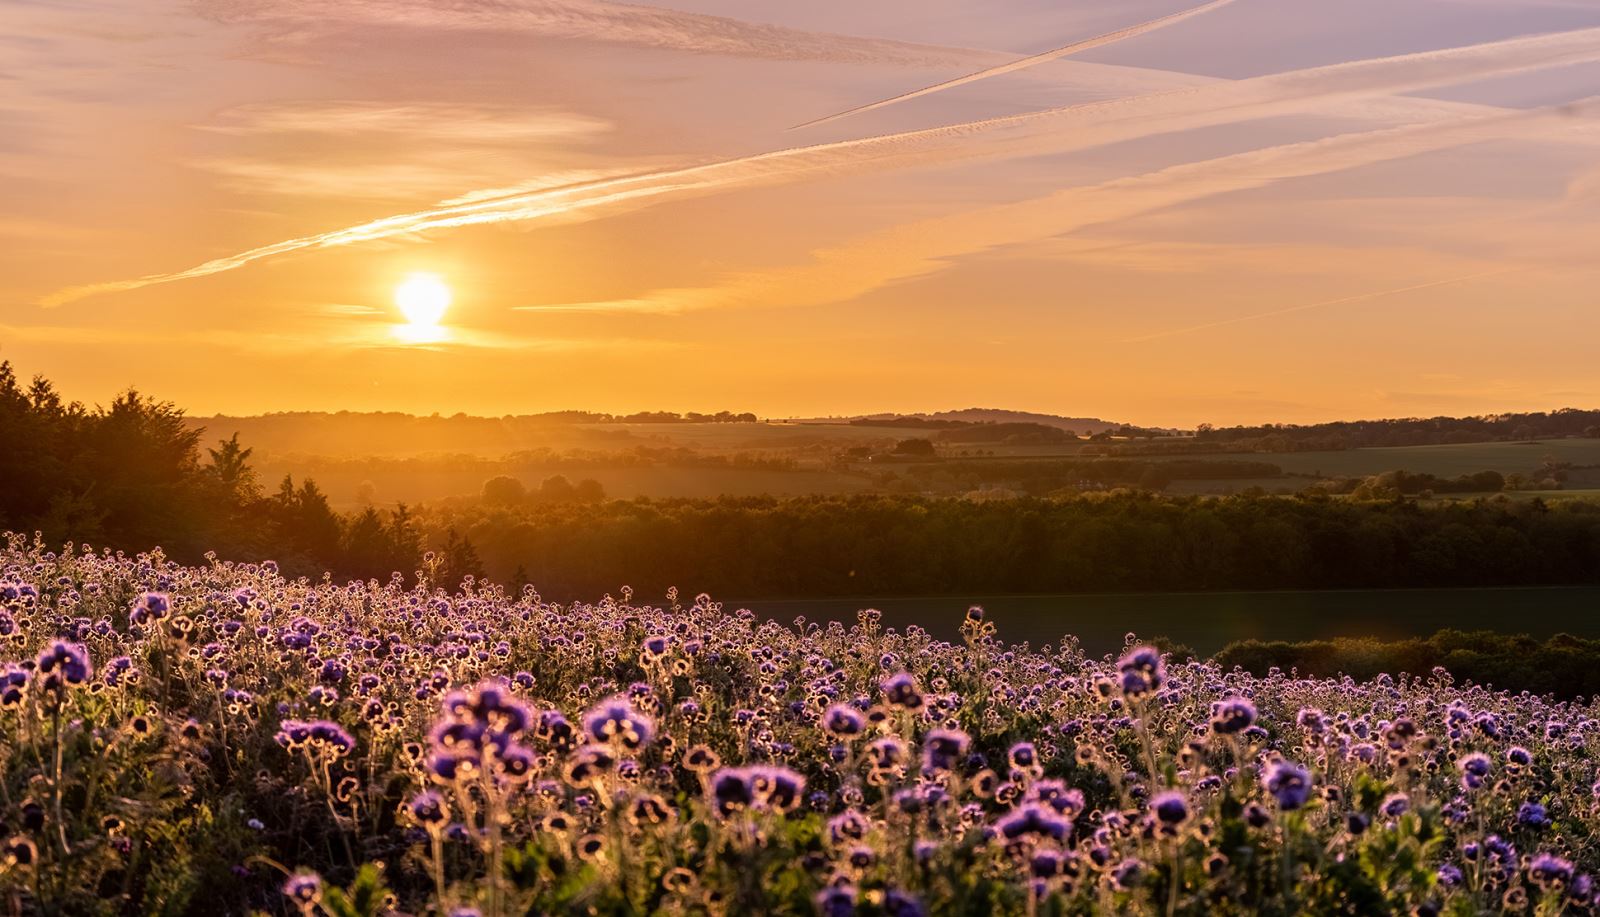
(349, 487)
(1444, 461)
(216, 739)
(1207, 621)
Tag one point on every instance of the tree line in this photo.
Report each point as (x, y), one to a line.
(1415, 431)
(1563, 666)
(911, 545)
(133, 475)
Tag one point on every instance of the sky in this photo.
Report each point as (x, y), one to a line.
(1165, 212)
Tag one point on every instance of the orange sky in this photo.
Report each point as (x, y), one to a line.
(1269, 210)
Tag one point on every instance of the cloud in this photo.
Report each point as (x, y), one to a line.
(1056, 130)
(917, 249)
(434, 121)
(1014, 66)
(593, 20)
(393, 151)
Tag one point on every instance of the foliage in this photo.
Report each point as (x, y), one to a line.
(884, 545)
(218, 739)
(1564, 665)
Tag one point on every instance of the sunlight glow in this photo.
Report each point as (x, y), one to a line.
(422, 299)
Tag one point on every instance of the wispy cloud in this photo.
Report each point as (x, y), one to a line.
(593, 20)
(918, 249)
(442, 121)
(394, 152)
(1024, 63)
(1054, 131)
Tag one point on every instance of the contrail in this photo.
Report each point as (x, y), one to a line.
(1324, 304)
(1092, 124)
(920, 248)
(1026, 62)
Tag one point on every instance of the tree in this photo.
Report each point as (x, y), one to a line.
(920, 448)
(504, 490)
(556, 489)
(457, 561)
(230, 468)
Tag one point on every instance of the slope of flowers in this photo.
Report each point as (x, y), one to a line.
(218, 740)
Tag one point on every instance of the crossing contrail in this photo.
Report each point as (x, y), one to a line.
(1059, 130)
(1024, 63)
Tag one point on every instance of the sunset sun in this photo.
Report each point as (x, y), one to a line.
(422, 299)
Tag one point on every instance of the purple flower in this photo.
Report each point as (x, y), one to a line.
(64, 664)
(1032, 819)
(616, 721)
(1549, 870)
(1288, 783)
(942, 748)
(1232, 715)
(1142, 671)
(1128, 873)
(757, 787)
(1395, 805)
(13, 685)
(836, 901)
(1532, 815)
(843, 720)
(150, 607)
(1170, 807)
(304, 889)
(897, 903)
(321, 737)
(1023, 756)
(429, 808)
(1474, 770)
(900, 690)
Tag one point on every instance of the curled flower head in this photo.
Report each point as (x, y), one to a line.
(19, 851)
(304, 889)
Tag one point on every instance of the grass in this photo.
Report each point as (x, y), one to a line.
(1445, 461)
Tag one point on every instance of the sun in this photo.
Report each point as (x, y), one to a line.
(422, 299)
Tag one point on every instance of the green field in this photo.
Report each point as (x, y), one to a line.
(1444, 461)
(1207, 621)
(345, 485)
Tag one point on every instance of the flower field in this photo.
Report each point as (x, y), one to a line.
(218, 740)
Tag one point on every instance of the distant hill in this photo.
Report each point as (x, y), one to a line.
(947, 419)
